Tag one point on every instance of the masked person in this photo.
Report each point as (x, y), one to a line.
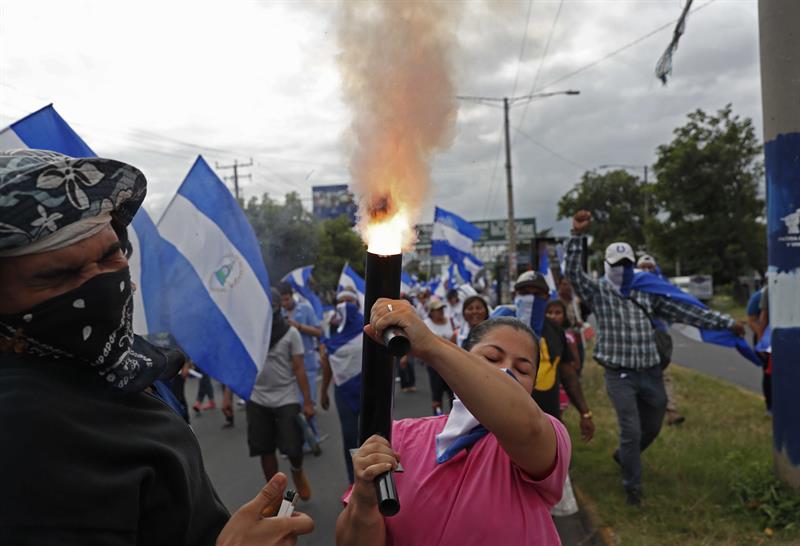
(487, 473)
(626, 346)
(556, 362)
(340, 355)
(92, 455)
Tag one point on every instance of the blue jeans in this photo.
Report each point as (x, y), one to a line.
(640, 401)
(349, 421)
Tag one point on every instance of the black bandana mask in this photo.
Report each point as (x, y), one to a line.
(92, 324)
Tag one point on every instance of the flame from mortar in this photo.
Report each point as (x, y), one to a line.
(397, 77)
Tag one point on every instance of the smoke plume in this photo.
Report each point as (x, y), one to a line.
(397, 76)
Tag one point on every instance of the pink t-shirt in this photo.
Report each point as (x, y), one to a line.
(477, 497)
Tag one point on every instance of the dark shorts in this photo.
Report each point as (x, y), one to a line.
(270, 428)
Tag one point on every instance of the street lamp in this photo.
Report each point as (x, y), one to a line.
(507, 104)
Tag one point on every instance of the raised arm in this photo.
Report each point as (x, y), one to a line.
(583, 285)
(685, 313)
(496, 400)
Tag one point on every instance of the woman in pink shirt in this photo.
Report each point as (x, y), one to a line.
(489, 472)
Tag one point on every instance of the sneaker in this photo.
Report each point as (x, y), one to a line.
(301, 483)
(209, 405)
(674, 418)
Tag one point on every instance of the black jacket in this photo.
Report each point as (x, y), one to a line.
(84, 463)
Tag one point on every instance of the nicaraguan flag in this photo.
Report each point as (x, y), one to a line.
(452, 235)
(45, 129)
(351, 280)
(653, 284)
(406, 283)
(344, 355)
(544, 269)
(300, 279)
(215, 292)
(468, 267)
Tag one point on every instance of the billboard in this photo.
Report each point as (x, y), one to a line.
(493, 231)
(333, 201)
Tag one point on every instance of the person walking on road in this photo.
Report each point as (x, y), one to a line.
(340, 355)
(648, 263)
(626, 346)
(442, 326)
(273, 406)
(301, 315)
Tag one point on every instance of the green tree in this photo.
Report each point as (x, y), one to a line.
(617, 202)
(338, 243)
(711, 218)
(287, 233)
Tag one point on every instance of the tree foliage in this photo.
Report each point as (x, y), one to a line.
(707, 191)
(703, 211)
(338, 243)
(290, 237)
(287, 233)
(617, 202)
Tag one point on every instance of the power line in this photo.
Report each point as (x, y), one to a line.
(620, 49)
(550, 150)
(542, 60)
(522, 44)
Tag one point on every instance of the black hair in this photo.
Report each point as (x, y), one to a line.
(551, 303)
(480, 331)
(475, 298)
(285, 289)
(452, 293)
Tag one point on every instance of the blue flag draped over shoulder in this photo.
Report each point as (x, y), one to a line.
(653, 284)
(344, 355)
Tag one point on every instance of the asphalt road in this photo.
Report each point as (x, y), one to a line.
(237, 477)
(716, 361)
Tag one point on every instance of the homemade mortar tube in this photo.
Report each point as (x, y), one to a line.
(382, 280)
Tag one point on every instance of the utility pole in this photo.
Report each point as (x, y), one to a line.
(779, 43)
(235, 166)
(511, 225)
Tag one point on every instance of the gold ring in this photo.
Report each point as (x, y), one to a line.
(390, 307)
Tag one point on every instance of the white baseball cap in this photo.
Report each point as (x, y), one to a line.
(616, 252)
(646, 259)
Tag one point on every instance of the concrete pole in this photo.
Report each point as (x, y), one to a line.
(780, 88)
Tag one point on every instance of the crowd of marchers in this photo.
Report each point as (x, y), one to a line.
(97, 453)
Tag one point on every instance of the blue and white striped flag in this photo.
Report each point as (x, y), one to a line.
(45, 129)
(300, 280)
(452, 236)
(544, 269)
(351, 280)
(215, 292)
(407, 283)
(468, 267)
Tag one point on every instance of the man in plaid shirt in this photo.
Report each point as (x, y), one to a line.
(626, 347)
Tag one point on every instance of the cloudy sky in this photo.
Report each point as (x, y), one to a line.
(156, 83)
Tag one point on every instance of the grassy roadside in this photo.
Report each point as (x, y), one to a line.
(695, 475)
(725, 303)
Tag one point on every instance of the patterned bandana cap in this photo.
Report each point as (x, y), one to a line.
(43, 192)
